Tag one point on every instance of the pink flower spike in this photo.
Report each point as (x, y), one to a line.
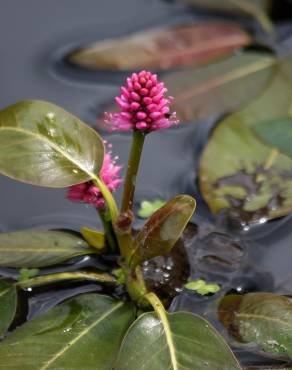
(88, 192)
(143, 105)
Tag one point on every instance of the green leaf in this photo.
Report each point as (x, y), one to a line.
(147, 207)
(201, 287)
(263, 320)
(163, 229)
(25, 274)
(219, 87)
(83, 333)
(241, 174)
(181, 341)
(267, 368)
(177, 46)
(33, 249)
(276, 133)
(256, 9)
(41, 144)
(8, 303)
(95, 238)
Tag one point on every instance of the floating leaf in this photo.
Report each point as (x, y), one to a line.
(33, 249)
(276, 133)
(202, 287)
(163, 229)
(241, 174)
(217, 88)
(8, 302)
(261, 319)
(93, 237)
(253, 8)
(163, 49)
(147, 207)
(83, 333)
(25, 274)
(180, 341)
(41, 144)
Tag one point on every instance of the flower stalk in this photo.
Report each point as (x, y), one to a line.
(132, 170)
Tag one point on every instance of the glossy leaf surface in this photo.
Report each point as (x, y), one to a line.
(33, 249)
(191, 340)
(238, 171)
(83, 333)
(163, 229)
(263, 320)
(8, 302)
(163, 49)
(41, 144)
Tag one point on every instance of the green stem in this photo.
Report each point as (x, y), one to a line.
(63, 276)
(110, 201)
(108, 230)
(132, 171)
(136, 286)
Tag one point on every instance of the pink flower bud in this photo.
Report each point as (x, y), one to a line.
(143, 105)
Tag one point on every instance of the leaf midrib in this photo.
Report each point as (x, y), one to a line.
(80, 335)
(53, 145)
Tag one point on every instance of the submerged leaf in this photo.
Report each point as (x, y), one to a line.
(181, 341)
(8, 302)
(163, 229)
(163, 49)
(202, 287)
(240, 173)
(147, 207)
(34, 248)
(41, 144)
(261, 319)
(83, 333)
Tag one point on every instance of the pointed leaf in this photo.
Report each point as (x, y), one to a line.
(163, 229)
(8, 302)
(41, 144)
(34, 248)
(163, 49)
(183, 341)
(241, 174)
(261, 319)
(93, 237)
(83, 333)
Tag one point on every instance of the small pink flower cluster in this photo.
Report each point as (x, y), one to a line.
(143, 105)
(87, 192)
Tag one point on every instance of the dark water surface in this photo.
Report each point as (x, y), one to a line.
(34, 39)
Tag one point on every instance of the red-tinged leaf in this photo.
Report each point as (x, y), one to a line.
(163, 49)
